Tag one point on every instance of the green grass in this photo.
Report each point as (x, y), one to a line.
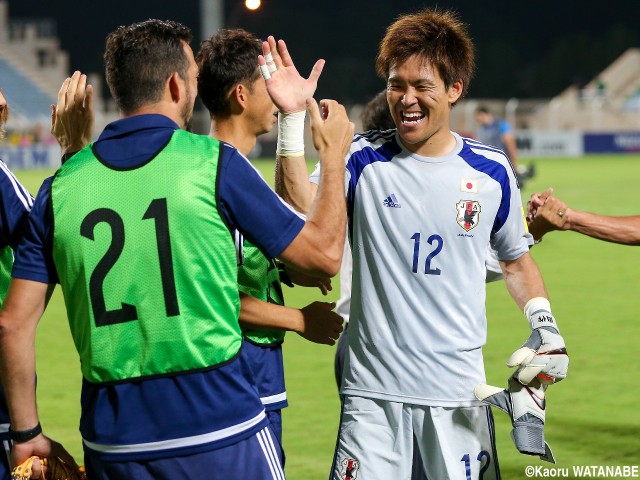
(593, 417)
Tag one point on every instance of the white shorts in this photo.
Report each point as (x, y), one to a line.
(375, 441)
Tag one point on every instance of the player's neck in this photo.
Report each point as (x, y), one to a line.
(234, 133)
(438, 145)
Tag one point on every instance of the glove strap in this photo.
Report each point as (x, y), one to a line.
(20, 436)
(538, 311)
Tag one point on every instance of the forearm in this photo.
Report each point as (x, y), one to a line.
(292, 182)
(327, 219)
(509, 141)
(258, 315)
(523, 279)
(623, 230)
(19, 318)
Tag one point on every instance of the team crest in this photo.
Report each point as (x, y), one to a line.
(468, 213)
(349, 469)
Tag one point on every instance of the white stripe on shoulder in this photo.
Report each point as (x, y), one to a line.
(373, 139)
(23, 195)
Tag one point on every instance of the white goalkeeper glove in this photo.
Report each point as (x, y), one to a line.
(544, 354)
(526, 405)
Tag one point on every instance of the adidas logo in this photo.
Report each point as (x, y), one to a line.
(391, 201)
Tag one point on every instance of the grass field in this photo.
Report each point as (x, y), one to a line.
(592, 417)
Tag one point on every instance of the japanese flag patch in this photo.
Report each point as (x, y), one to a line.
(468, 185)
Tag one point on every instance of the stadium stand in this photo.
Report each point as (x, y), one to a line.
(28, 101)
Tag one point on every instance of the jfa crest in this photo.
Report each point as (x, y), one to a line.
(468, 213)
(349, 469)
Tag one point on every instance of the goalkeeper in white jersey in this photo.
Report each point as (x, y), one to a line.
(424, 206)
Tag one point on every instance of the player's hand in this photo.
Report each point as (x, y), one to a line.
(543, 355)
(320, 323)
(40, 446)
(72, 119)
(552, 215)
(536, 201)
(287, 88)
(331, 131)
(304, 280)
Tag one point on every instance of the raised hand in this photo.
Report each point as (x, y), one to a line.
(72, 119)
(287, 88)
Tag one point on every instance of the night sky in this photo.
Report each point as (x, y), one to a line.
(525, 49)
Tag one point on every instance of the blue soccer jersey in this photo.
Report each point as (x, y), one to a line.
(185, 413)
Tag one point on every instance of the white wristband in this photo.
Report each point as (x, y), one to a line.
(291, 134)
(538, 311)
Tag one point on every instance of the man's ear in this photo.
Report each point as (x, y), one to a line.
(239, 97)
(174, 87)
(455, 90)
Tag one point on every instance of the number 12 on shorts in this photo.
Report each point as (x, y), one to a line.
(436, 242)
(466, 458)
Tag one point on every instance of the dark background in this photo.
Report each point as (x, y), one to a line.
(525, 49)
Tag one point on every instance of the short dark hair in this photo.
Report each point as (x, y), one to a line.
(483, 109)
(226, 59)
(439, 37)
(376, 114)
(139, 59)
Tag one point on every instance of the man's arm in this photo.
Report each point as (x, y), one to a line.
(289, 92)
(324, 229)
(509, 141)
(554, 214)
(543, 355)
(316, 322)
(523, 279)
(21, 312)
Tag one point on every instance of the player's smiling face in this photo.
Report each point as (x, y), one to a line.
(420, 105)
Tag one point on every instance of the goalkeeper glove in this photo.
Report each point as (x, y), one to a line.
(543, 355)
(525, 404)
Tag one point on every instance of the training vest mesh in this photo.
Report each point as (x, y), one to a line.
(146, 263)
(259, 277)
(6, 262)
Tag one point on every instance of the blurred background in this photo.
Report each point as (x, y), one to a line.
(565, 75)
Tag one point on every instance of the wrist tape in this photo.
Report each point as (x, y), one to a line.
(291, 134)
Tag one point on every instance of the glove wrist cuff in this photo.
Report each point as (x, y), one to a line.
(20, 436)
(538, 312)
(528, 438)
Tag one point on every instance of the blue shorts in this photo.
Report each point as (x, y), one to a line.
(257, 458)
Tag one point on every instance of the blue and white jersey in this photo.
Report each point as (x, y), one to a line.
(420, 230)
(185, 413)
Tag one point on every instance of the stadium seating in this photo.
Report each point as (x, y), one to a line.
(27, 100)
